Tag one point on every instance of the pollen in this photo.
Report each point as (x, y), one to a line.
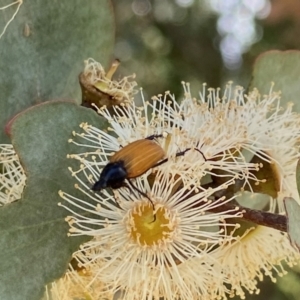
(147, 229)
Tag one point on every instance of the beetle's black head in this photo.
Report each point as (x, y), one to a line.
(112, 175)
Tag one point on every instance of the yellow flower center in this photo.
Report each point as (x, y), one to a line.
(147, 229)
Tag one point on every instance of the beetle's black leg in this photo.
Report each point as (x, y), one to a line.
(116, 201)
(143, 194)
(150, 137)
(160, 162)
(188, 149)
(153, 136)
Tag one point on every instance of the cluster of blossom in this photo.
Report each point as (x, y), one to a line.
(12, 176)
(120, 90)
(197, 247)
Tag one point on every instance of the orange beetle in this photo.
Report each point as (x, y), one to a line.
(131, 161)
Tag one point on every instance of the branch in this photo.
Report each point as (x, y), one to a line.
(258, 217)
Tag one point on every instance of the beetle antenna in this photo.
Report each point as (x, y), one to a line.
(143, 194)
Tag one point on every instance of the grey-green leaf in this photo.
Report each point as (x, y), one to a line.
(44, 48)
(293, 215)
(282, 68)
(34, 246)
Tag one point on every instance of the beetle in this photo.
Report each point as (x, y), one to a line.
(132, 161)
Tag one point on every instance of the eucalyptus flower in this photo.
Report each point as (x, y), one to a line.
(118, 90)
(273, 138)
(12, 176)
(258, 253)
(74, 285)
(143, 257)
(170, 236)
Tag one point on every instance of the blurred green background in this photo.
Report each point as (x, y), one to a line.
(212, 41)
(168, 41)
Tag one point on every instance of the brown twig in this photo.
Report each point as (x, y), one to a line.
(258, 217)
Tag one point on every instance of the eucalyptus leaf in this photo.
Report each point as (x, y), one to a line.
(293, 214)
(44, 47)
(35, 248)
(282, 68)
(253, 200)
